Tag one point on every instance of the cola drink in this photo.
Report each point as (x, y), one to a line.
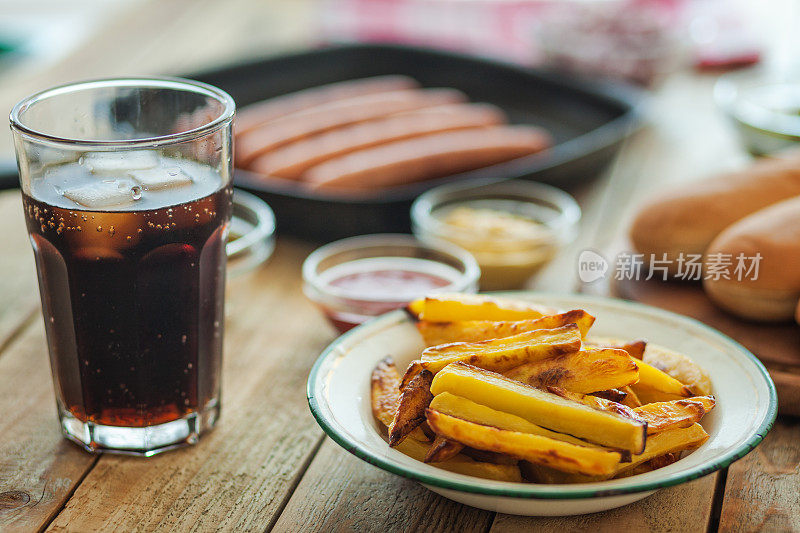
(130, 253)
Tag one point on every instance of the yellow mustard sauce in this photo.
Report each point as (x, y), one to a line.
(508, 247)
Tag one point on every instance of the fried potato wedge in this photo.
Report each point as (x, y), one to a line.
(442, 449)
(533, 448)
(679, 367)
(661, 416)
(670, 441)
(460, 407)
(657, 386)
(538, 473)
(410, 414)
(435, 333)
(583, 371)
(635, 349)
(385, 391)
(455, 307)
(489, 457)
(498, 354)
(653, 464)
(385, 395)
(614, 395)
(461, 464)
(540, 407)
(505, 353)
(630, 400)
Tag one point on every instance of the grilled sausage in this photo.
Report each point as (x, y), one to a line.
(292, 160)
(255, 115)
(431, 156)
(334, 115)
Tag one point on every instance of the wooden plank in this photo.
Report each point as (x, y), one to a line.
(339, 492)
(38, 468)
(686, 508)
(240, 475)
(18, 286)
(762, 491)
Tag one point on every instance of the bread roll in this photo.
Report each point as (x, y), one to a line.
(687, 220)
(773, 232)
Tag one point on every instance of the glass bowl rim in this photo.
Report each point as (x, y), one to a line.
(422, 218)
(469, 277)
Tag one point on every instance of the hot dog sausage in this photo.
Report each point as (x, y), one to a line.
(292, 160)
(334, 115)
(254, 115)
(431, 156)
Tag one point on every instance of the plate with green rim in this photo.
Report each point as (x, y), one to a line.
(339, 398)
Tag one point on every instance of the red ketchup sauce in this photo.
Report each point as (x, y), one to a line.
(370, 287)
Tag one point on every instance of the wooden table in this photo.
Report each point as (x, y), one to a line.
(268, 465)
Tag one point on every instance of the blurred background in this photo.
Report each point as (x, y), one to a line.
(43, 42)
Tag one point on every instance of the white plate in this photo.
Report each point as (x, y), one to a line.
(339, 392)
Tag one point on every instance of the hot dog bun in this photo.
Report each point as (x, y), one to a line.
(431, 156)
(773, 232)
(254, 115)
(336, 114)
(688, 219)
(292, 160)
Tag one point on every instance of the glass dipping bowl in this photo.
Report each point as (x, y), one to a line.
(355, 279)
(764, 109)
(512, 228)
(252, 235)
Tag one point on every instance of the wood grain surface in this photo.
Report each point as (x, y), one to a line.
(762, 492)
(342, 493)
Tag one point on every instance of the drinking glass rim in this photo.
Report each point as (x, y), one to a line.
(133, 82)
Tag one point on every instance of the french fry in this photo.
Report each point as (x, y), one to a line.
(583, 371)
(661, 416)
(679, 367)
(670, 441)
(460, 407)
(435, 333)
(537, 473)
(505, 353)
(489, 457)
(461, 464)
(614, 395)
(385, 395)
(630, 400)
(442, 449)
(653, 464)
(657, 386)
(411, 408)
(635, 349)
(540, 407)
(455, 307)
(384, 390)
(498, 354)
(533, 448)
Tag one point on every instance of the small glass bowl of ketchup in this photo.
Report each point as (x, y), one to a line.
(355, 279)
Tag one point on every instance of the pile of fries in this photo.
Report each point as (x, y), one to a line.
(512, 391)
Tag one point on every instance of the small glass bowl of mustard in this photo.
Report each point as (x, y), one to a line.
(512, 228)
